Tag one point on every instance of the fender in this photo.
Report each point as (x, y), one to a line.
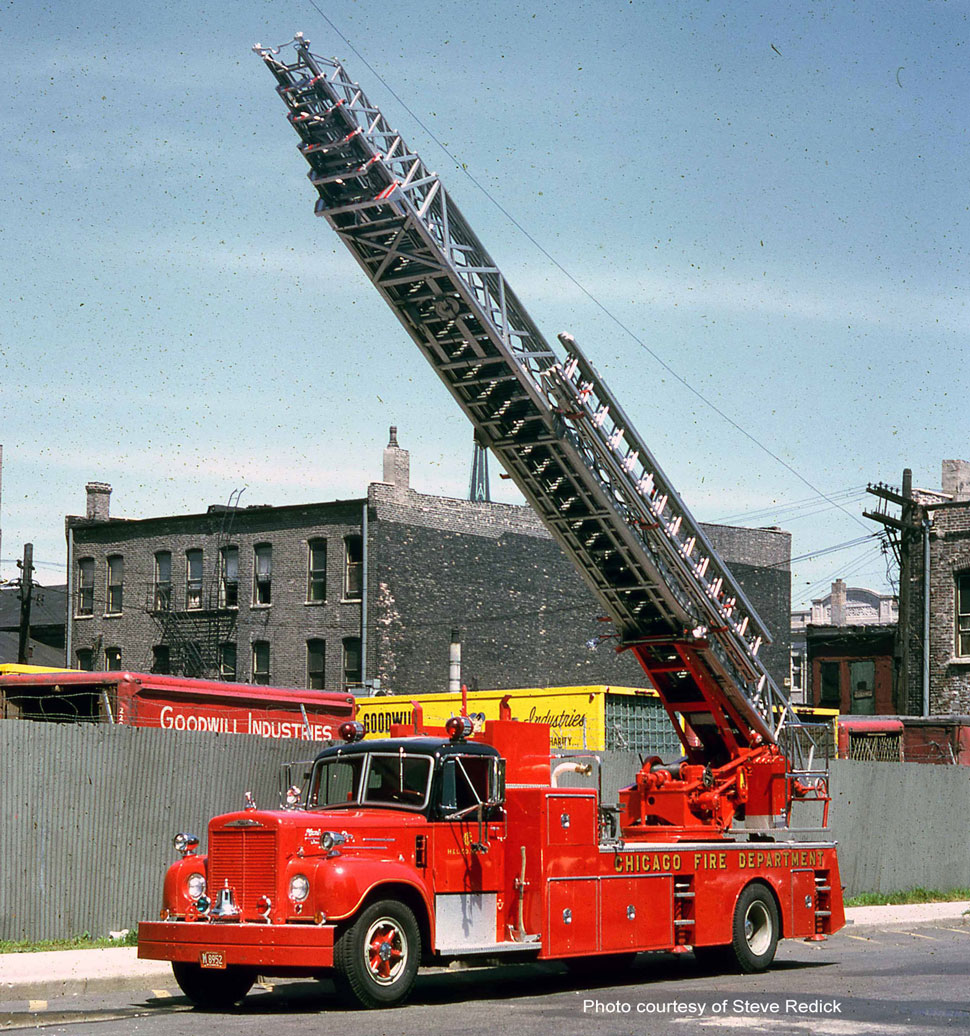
(342, 884)
(174, 897)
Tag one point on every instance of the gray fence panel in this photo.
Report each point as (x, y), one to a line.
(900, 825)
(88, 813)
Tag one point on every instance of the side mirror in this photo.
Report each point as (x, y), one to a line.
(496, 791)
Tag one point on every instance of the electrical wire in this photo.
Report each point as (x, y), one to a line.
(580, 286)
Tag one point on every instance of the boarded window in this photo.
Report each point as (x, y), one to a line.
(830, 692)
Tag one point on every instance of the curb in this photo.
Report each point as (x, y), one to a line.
(46, 976)
(866, 919)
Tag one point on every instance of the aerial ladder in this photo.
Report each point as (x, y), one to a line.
(541, 408)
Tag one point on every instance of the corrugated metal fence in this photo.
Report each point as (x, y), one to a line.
(87, 813)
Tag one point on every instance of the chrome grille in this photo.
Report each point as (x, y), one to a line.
(247, 860)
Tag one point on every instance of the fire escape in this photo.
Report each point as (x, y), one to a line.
(195, 626)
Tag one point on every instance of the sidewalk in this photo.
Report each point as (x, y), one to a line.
(44, 976)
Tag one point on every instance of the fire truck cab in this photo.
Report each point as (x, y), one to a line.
(440, 846)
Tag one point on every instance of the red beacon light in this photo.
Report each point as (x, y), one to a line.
(459, 727)
(352, 730)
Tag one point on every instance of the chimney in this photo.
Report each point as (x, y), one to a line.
(838, 603)
(99, 501)
(397, 464)
(956, 479)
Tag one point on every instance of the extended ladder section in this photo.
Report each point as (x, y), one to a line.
(543, 412)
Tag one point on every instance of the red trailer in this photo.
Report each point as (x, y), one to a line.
(174, 703)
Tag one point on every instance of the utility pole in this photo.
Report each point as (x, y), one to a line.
(26, 584)
(902, 532)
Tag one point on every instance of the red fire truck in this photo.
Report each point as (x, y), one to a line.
(174, 703)
(436, 845)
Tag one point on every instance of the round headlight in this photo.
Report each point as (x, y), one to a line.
(185, 843)
(195, 886)
(299, 888)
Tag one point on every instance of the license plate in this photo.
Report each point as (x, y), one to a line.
(212, 959)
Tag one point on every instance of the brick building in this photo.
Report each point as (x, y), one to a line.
(842, 650)
(939, 521)
(386, 590)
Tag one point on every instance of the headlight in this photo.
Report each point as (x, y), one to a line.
(195, 886)
(299, 888)
(185, 844)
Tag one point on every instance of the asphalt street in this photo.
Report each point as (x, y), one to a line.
(870, 981)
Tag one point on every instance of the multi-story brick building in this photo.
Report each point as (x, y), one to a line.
(939, 521)
(386, 590)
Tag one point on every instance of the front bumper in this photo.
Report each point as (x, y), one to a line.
(306, 948)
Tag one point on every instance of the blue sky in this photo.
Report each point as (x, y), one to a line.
(771, 196)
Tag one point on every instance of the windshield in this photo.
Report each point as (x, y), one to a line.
(375, 778)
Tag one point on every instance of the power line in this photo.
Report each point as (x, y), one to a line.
(579, 285)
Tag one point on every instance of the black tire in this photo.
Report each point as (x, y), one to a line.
(756, 929)
(377, 956)
(213, 989)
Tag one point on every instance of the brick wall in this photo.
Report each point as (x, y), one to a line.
(949, 557)
(435, 564)
(523, 612)
(286, 624)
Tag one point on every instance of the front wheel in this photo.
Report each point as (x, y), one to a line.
(213, 989)
(377, 956)
(756, 928)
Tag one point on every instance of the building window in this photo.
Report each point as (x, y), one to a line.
(112, 659)
(193, 579)
(85, 659)
(194, 664)
(229, 577)
(116, 584)
(830, 693)
(353, 568)
(316, 580)
(262, 574)
(963, 614)
(351, 663)
(162, 595)
(316, 657)
(227, 662)
(261, 661)
(85, 587)
(161, 659)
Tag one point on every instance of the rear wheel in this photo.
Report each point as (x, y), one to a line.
(756, 929)
(212, 988)
(377, 956)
